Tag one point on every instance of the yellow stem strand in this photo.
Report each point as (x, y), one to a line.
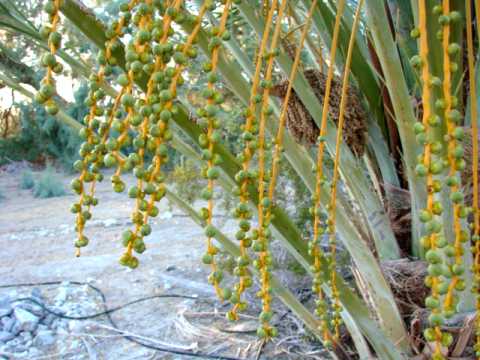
(427, 113)
(474, 125)
(333, 193)
(283, 114)
(316, 252)
(262, 223)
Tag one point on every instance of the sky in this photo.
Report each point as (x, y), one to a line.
(65, 87)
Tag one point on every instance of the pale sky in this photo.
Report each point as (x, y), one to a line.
(65, 87)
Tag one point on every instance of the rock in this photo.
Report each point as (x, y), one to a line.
(110, 222)
(5, 310)
(15, 345)
(7, 323)
(75, 326)
(5, 306)
(166, 215)
(25, 336)
(54, 326)
(21, 352)
(6, 336)
(62, 295)
(37, 294)
(33, 308)
(4, 300)
(42, 327)
(42, 233)
(44, 338)
(33, 352)
(61, 326)
(16, 328)
(26, 320)
(92, 354)
(48, 320)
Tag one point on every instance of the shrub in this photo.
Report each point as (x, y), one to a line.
(27, 180)
(186, 181)
(48, 185)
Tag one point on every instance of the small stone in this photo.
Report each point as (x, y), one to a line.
(6, 336)
(62, 294)
(48, 320)
(75, 326)
(5, 311)
(33, 352)
(7, 323)
(37, 294)
(166, 215)
(33, 308)
(110, 222)
(44, 338)
(15, 345)
(5, 301)
(26, 320)
(16, 328)
(25, 336)
(42, 327)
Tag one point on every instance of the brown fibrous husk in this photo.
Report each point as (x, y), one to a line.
(301, 124)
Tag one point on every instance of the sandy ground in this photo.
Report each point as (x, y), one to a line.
(36, 242)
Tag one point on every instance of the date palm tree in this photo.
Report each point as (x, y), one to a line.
(372, 103)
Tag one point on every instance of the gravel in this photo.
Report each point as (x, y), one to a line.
(28, 330)
(26, 320)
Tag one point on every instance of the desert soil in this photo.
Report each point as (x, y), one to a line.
(36, 242)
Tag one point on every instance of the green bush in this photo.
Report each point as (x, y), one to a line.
(42, 136)
(47, 185)
(27, 180)
(184, 177)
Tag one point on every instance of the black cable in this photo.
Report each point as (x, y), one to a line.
(107, 312)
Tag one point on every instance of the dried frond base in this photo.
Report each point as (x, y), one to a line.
(467, 173)
(301, 124)
(461, 326)
(397, 200)
(397, 205)
(406, 279)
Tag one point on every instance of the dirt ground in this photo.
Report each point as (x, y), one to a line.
(36, 242)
